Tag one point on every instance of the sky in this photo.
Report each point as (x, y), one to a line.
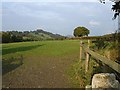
(58, 17)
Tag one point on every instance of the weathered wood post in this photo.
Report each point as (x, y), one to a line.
(81, 42)
(87, 58)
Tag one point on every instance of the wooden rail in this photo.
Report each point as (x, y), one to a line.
(115, 66)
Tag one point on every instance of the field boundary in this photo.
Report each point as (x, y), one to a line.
(115, 66)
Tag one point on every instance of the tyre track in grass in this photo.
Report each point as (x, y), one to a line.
(41, 72)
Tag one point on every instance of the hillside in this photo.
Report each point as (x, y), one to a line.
(44, 35)
(38, 35)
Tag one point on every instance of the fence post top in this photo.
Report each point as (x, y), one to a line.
(81, 43)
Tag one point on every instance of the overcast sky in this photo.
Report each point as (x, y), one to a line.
(58, 17)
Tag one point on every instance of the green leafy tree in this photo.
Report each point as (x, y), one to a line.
(16, 38)
(11, 36)
(6, 37)
(81, 31)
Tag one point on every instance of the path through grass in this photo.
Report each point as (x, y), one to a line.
(39, 64)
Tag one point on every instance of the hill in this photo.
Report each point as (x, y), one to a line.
(38, 35)
(44, 35)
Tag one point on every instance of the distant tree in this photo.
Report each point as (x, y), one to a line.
(81, 31)
(16, 38)
(6, 37)
(11, 36)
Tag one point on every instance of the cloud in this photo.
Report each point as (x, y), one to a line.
(94, 23)
(56, 17)
(33, 10)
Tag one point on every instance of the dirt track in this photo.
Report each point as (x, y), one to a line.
(41, 72)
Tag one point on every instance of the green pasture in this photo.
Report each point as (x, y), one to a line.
(42, 48)
(21, 57)
(25, 60)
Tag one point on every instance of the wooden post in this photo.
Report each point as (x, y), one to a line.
(88, 43)
(81, 51)
(87, 58)
(87, 62)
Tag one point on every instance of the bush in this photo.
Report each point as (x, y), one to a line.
(100, 44)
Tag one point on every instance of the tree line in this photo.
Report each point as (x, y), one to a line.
(8, 37)
(38, 35)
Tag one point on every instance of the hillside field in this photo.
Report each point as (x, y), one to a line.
(39, 64)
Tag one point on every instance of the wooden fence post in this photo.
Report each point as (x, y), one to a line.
(87, 58)
(81, 50)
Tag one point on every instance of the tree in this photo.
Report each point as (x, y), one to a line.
(115, 7)
(81, 31)
(6, 37)
(11, 36)
(16, 38)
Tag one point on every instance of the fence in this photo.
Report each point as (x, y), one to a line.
(100, 82)
(115, 66)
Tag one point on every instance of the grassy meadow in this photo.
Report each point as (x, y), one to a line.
(53, 64)
(39, 64)
(47, 64)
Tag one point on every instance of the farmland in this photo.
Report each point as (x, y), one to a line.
(39, 64)
(50, 64)
(60, 45)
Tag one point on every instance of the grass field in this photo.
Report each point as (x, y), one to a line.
(41, 64)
